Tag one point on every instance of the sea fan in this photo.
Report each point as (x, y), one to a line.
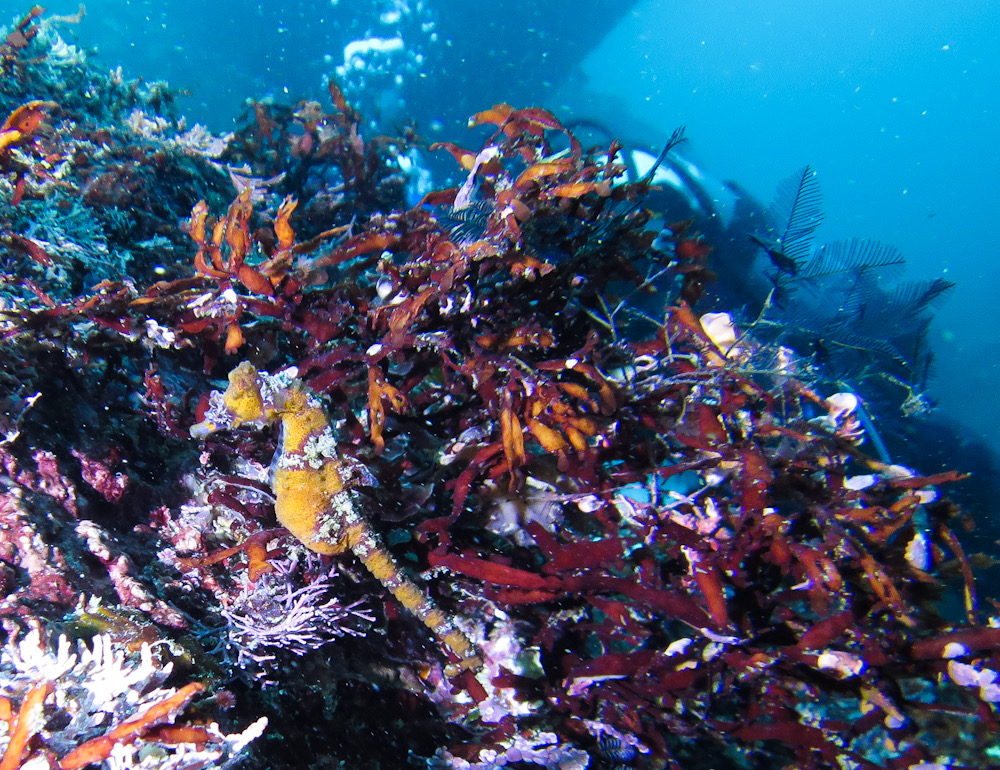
(855, 255)
(847, 323)
(798, 204)
(899, 311)
(835, 303)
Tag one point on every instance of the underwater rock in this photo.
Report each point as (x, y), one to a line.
(673, 537)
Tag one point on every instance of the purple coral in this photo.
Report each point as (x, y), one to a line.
(272, 615)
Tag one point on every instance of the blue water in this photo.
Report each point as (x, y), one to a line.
(895, 104)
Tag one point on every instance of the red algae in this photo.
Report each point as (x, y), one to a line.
(667, 537)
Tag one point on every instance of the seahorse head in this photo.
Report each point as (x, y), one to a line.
(250, 398)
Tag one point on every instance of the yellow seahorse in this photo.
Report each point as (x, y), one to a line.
(312, 487)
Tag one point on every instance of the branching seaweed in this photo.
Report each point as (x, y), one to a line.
(667, 541)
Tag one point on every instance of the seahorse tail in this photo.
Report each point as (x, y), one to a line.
(377, 560)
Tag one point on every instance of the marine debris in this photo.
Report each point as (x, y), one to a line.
(669, 541)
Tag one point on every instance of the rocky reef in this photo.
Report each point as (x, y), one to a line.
(531, 522)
